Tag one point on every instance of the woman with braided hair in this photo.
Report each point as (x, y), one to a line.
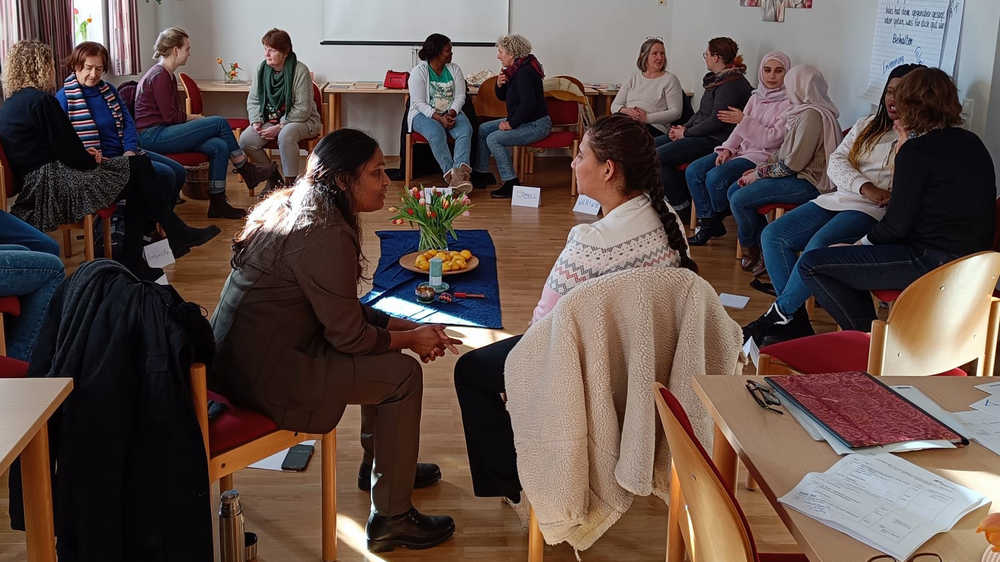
(617, 166)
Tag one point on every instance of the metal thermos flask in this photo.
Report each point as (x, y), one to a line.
(231, 539)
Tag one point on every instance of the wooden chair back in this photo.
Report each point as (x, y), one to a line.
(716, 527)
(941, 321)
(487, 103)
(194, 104)
(7, 187)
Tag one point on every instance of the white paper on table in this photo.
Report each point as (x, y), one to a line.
(928, 405)
(883, 501)
(526, 196)
(990, 403)
(587, 206)
(158, 253)
(274, 461)
(982, 426)
(734, 301)
(990, 387)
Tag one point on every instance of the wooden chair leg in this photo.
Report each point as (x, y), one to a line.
(536, 543)
(3, 340)
(67, 243)
(810, 305)
(328, 450)
(408, 174)
(88, 237)
(572, 172)
(226, 483)
(739, 250)
(531, 161)
(675, 514)
(694, 217)
(107, 238)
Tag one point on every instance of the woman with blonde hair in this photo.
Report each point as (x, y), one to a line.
(61, 180)
(651, 96)
(528, 121)
(163, 126)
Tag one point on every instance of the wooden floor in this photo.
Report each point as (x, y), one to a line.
(284, 508)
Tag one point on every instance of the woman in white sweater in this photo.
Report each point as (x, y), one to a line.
(617, 166)
(652, 95)
(861, 171)
(437, 94)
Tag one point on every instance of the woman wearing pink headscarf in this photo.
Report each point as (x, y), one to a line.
(760, 129)
(796, 173)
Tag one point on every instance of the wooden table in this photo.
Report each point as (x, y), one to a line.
(778, 453)
(25, 408)
(334, 95)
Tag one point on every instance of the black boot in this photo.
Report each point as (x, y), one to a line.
(798, 326)
(708, 228)
(411, 529)
(482, 179)
(253, 174)
(506, 190)
(763, 324)
(427, 475)
(219, 207)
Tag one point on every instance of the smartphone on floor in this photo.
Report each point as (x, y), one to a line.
(297, 457)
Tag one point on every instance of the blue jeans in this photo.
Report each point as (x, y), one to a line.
(709, 184)
(494, 141)
(744, 202)
(842, 277)
(672, 154)
(437, 136)
(211, 136)
(802, 229)
(32, 276)
(170, 173)
(15, 231)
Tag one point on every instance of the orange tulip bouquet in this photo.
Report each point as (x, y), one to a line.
(231, 75)
(991, 528)
(432, 210)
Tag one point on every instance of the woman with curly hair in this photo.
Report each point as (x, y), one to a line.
(60, 179)
(520, 86)
(617, 166)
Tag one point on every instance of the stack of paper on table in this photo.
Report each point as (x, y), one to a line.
(366, 85)
(982, 423)
(883, 501)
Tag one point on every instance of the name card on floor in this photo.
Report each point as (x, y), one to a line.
(428, 191)
(526, 196)
(751, 351)
(587, 206)
(158, 254)
(733, 301)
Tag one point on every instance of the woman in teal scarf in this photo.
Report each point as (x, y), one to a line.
(280, 105)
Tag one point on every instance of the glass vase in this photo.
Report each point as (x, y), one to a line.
(432, 239)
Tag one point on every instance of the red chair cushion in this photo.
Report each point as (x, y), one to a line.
(11, 368)
(682, 167)
(832, 352)
(10, 305)
(235, 426)
(417, 137)
(242, 124)
(887, 296)
(107, 211)
(194, 92)
(8, 174)
(781, 557)
(768, 208)
(563, 112)
(188, 158)
(556, 139)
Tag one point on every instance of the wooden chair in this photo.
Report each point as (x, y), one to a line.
(8, 305)
(240, 437)
(567, 132)
(194, 104)
(704, 517)
(8, 188)
(943, 320)
(412, 138)
(305, 144)
(488, 105)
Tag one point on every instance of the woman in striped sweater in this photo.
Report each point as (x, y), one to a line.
(617, 166)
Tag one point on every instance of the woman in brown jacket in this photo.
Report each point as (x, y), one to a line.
(294, 342)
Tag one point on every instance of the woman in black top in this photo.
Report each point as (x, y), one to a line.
(60, 180)
(520, 86)
(726, 89)
(942, 206)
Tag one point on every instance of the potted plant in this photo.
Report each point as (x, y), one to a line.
(233, 73)
(433, 215)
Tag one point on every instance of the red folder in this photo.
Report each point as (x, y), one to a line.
(861, 410)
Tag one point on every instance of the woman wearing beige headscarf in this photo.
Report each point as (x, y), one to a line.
(796, 173)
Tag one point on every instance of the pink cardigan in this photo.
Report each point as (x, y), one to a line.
(761, 131)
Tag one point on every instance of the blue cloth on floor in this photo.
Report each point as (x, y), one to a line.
(393, 287)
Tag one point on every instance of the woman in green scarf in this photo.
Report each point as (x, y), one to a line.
(280, 105)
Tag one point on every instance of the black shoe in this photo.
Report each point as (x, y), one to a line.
(192, 237)
(428, 474)
(763, 287)
(219, 207)
(253, 174)
(762, 325)
(708, 228)
(505, 191)
(482, 179)
(797, 327)
(412, 530)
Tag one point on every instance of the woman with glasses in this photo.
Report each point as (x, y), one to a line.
(651, 96)
(725, 87)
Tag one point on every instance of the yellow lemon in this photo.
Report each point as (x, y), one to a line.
(459, 263)
(424, 266)
(442, 255)
(429, 254)
(466, 254)
(446, 266)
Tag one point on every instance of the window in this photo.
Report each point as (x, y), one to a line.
(88, 21)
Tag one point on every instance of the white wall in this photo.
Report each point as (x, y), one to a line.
(594, 40)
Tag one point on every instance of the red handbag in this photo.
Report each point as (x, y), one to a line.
(396, 80)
